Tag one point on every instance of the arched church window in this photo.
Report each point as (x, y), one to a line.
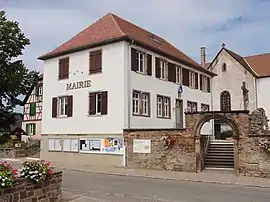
(225, 101)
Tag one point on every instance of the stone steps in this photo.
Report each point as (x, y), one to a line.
(220, 155)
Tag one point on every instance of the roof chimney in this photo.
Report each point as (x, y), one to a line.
(203, 57)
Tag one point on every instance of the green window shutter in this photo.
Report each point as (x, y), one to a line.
(32, 109)
(34, 128)
(27, 128)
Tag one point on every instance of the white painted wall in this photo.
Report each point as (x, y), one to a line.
(263, 85)
(231, 80)
(111, 79)
(157, 86)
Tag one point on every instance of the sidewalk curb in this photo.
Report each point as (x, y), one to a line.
(149, 176)
(163, 178)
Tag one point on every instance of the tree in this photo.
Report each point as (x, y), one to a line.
(15, 78)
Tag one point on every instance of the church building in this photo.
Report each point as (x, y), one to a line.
(242, 83)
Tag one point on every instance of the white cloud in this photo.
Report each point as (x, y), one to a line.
(188, 24)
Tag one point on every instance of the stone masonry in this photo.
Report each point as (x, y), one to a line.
(180, 156)
(186, 153)
(253, 160)
(25, 190)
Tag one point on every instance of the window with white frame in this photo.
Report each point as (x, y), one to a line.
(163, 69)
(178, 75)
(163, 107)
(136, 97)
(140, 61)
(191, 106)
(192, 79)
(204, 83)
(144, 104)
(98, 103)
(159, 106)
(204, 107)
(63, 106)
(140, 103)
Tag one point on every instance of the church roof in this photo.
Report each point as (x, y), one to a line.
(258, 65)
(111, 28)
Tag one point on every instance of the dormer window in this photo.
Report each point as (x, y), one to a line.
(224, 67)
(155, 39)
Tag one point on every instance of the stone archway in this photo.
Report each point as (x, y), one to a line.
(238, 120)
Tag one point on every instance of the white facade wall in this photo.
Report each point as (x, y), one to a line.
(263, 89)
(231, 80)
(157, 86)
(118, 79)
(111, 79)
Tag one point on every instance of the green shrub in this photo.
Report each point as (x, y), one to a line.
(3, 139)
(226, 134)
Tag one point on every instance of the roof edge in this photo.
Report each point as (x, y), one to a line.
(250, 70)
(168, 55)
(255, 73)
(130, 39)
(81, 48)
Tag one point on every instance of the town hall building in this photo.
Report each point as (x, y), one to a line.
(112, 76)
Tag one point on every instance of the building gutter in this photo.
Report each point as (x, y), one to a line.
(212, 109)
(129, 84)
(256, 93)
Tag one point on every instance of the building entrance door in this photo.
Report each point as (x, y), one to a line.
(179, 113)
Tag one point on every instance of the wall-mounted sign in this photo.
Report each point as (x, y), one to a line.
(78, 84)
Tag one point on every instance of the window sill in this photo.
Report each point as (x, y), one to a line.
(63, 79)
(95, 115)
(140, 115)
(163, 79)
(141, 73)
(94, 73)
(100, 152)
(62, 117)
(161, 117)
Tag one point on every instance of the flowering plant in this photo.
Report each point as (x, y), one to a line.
(7, 175)
(166, 141)
(265, 144)
(37, 171)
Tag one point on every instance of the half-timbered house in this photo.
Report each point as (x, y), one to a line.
(32, 112)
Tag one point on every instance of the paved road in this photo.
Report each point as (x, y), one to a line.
(89, 187)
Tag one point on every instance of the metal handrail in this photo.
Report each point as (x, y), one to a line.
(207, 144)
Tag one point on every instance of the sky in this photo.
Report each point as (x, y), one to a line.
(243, 25)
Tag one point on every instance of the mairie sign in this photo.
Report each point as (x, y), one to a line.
(78, 84)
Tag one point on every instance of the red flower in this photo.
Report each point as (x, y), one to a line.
(50, 171)
(14, 172)
(48, 163)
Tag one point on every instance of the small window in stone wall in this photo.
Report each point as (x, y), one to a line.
(224, 67)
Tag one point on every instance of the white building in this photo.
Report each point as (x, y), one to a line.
(112, 76)
(242, 83)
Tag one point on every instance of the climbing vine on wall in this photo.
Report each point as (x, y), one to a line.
(265, 144)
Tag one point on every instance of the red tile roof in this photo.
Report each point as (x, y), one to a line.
(111, 28)
(260, 64)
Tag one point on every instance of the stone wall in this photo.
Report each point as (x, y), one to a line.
(18, 152)
(24, 191)
(180, 156)
(187, 154)
(253, 160)
(13, 152)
